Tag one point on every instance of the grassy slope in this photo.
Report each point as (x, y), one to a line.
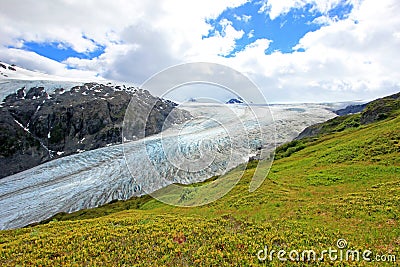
(342, 185)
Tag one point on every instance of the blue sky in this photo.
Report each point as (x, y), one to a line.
(294, 50)
(284, 31)
(59, 51)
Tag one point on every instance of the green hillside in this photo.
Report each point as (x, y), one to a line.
(340, 185)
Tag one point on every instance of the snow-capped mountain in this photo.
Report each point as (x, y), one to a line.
(36, 126)
(234, 101)
(13, 77)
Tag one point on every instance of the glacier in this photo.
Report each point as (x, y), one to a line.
(217, 139)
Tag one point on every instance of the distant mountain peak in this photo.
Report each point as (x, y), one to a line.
(235, 101)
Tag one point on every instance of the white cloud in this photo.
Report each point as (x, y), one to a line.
(140, 37)
(323, 20)
(244, 18)
(147, 50)
(35, 62)
(250, 34)
(276, 8)
(342, 60)
(221, 43)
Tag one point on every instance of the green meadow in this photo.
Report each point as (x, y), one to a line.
(341, 184)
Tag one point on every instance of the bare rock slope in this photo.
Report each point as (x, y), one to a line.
(37, 126)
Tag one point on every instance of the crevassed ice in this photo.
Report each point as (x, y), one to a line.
(96, 177)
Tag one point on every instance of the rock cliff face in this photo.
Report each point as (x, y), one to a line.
(36, 127)
(352, 109)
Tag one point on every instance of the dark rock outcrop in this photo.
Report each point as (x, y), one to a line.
(352, 109)
(36, 127)
(235, 101)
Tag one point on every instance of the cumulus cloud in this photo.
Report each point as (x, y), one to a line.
(140, 37)
(353, 58)
(221, 43)
(35, 62)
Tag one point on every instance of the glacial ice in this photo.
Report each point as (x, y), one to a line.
(211, 144)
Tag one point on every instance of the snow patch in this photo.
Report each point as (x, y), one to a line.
(20, 125)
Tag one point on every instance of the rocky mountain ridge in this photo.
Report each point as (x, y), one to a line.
(36, 126)
(351, 109)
